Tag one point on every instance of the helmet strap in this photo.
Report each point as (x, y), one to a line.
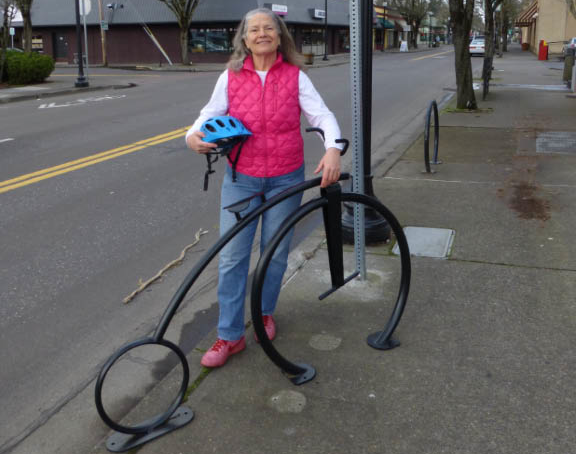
(235, 162)
(209, 160)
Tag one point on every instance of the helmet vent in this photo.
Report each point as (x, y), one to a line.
(220, 123)
(210, 128)
(232, 123)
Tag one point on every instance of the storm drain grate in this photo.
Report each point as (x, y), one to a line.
(560, 142)
(427, 242)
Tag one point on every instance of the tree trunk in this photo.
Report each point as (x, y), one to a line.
(505, 33)
(413, 40)
(466, 98)
(488, 38)
(4, 39)
(184, 45)
(27, 31)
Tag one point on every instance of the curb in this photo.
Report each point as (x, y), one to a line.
(67, 91)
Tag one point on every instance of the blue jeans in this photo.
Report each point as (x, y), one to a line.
(234, 260)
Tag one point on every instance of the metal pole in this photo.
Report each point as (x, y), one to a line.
(85, 37)
(429, 29)
(376, 228)
(81, 80)
(102, 34)
(357, 83)
(325, 30)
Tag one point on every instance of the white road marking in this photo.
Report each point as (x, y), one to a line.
(80, 102)
(6, 140)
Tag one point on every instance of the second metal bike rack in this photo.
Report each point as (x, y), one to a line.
(432, 108)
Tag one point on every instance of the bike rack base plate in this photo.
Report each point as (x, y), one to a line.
(387, 344)
(121, 442)
(305, 376)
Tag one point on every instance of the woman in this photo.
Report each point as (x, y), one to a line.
(266, 90)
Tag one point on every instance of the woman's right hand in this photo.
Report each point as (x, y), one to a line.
(195, 142)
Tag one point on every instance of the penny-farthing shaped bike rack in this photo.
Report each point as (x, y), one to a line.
(330, 203)
(127, 437)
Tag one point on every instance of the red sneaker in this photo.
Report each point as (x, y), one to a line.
(269, 326)
(221, 350)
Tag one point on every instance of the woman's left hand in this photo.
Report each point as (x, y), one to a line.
(330, 167)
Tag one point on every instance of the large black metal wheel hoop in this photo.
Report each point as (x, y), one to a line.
(300, 372)
(157, 420)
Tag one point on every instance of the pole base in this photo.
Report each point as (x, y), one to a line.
(81, 83)
(377, 229)
(381, 344)
(120, 442)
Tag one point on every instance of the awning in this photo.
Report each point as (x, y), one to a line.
(528, 16)
(386, 23)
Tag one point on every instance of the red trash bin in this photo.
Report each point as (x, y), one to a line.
(543, 50)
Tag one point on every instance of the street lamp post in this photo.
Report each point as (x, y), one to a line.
(325, 30)
(430, 14)
(81, 81)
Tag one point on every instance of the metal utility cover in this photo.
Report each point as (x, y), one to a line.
(561, 142)
(427, 242)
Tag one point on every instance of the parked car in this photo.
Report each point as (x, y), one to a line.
(14, 49)
(571, 44)
(476, 47)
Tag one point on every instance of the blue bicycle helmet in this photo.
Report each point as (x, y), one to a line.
(224, 131)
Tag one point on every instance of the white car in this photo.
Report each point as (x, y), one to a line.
(569, 45)
(476, 47)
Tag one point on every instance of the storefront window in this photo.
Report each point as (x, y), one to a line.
(343, 41)
(313, 41)
(211, 39)
(38, 44)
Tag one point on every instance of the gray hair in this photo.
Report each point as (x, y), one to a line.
(287, 47)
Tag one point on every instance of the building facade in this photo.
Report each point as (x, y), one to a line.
(146, 32)
(546, 20)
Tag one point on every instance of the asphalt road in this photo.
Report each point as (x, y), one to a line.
(76, 242)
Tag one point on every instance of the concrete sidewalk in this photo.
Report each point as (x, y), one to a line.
(486, 356)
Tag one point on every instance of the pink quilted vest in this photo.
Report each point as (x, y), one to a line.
(272, 113)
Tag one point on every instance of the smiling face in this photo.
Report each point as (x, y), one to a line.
(262, 36)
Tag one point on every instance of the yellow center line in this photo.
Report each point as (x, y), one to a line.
(433, 55)
(34, 177)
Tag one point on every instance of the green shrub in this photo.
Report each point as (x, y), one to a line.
(23, 68)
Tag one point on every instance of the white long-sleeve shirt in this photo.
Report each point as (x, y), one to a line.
(311, 103)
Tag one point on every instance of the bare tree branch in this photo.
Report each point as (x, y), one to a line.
(184, 12)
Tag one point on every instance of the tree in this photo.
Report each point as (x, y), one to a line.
(25, 6)
(461, 14)
(572, 6)
(8, 12)
(184, 11)
(490, 7)
(413, 12)
(510, 10)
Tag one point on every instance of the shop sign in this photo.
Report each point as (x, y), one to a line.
(318, 13)
(281, 10)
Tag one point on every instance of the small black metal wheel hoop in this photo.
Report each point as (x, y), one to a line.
(301, 370)
(158, 420)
